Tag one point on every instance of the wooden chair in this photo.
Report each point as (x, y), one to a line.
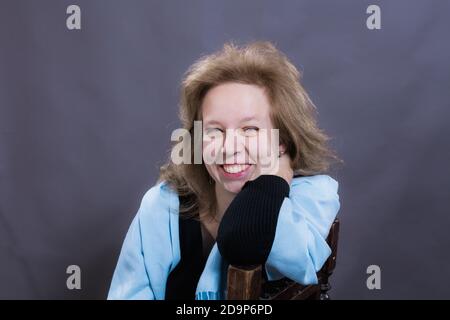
(247, 282)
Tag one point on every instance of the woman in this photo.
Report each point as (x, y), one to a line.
(263, 199)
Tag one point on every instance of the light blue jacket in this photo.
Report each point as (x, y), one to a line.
(151, 249)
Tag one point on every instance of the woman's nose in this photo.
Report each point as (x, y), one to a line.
(233, 143)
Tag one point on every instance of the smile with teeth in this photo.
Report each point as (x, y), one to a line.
(235, 168)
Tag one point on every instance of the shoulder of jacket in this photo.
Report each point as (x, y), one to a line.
(316, 184)
(159, 201)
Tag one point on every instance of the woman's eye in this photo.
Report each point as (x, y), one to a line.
(214, 131)
(250, 131)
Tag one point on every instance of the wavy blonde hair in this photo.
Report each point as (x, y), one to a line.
(293, 113)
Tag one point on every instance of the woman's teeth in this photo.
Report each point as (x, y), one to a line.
(235, 168)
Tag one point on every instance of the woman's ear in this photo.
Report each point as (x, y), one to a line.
(282, 149)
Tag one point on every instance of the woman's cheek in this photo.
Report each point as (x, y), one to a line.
(212, 170)
(211, 148)
(252, 152)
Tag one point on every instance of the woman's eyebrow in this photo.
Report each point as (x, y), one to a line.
(216, 122)
(211, 122)
(248, 119)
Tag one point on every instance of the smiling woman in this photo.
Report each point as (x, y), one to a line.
(265, 199)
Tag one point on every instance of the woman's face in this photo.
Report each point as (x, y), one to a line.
(234, 118)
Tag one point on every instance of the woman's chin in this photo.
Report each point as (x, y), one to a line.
(234, 186)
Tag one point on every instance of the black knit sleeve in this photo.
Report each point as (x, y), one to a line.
(247, 229)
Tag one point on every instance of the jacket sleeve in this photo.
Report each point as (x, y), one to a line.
(247, 229)
(130, 279)
(150, 249)
(299, 249)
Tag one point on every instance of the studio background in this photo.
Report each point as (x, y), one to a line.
(86, 117)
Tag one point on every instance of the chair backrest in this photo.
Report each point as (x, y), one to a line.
(247, 282)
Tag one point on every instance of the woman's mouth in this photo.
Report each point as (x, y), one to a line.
(234, 171)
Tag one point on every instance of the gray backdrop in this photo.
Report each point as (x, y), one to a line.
(86, 117)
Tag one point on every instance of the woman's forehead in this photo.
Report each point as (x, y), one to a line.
(235, 102)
